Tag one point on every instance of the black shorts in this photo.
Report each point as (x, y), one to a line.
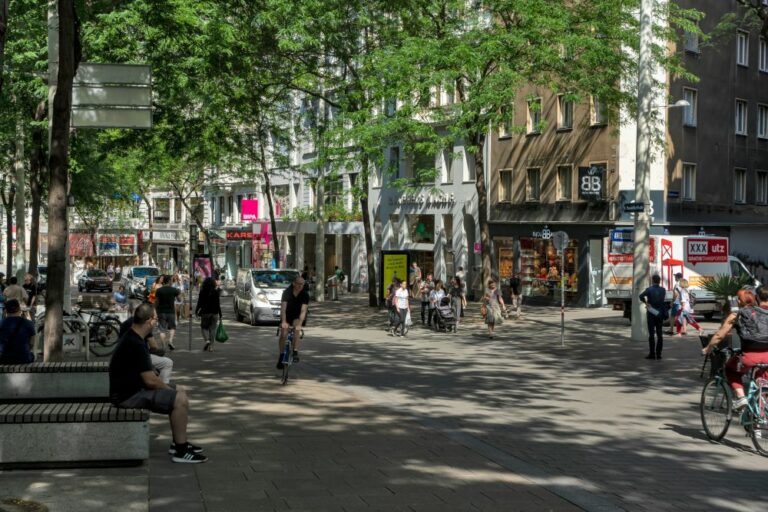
(167, 320)
(156, 400)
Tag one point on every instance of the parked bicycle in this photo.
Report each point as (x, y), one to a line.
(717, 403)
(103, 328)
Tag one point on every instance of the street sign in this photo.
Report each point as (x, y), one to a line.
(560, 240)
(112, 96)
(634, 207)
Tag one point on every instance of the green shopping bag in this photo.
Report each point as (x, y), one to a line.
(221, 333)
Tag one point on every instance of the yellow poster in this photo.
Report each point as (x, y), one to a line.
(393, 265)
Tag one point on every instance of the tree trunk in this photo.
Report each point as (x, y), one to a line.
(3, 31)
(373, 296)
(59, 170)
(268, 186)
(19, 262)
(151, 225)
(482, 208)
(8, 206)
(319, 243)
(36, 166)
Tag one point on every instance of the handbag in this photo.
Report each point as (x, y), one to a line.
(221, 333)
(483, 310)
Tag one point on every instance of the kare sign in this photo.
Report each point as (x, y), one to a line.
(706, 250)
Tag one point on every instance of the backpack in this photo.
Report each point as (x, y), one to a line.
(752, 324)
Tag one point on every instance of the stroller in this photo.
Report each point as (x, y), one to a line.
(444, 319)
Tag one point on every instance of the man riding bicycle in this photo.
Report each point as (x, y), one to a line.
(751, 322)
(293, 311)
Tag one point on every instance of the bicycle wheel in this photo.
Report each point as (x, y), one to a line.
(103, 338)
(715, 409)
(759, 431)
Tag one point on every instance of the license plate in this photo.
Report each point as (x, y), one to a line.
(275, 312)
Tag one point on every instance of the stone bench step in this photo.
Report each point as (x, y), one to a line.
(59, 367)
(68, 413)
(66, 381)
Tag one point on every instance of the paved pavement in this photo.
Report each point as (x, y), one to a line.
(432, 421)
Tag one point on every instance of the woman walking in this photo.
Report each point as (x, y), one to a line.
(494, 305)
(209, 310)
(179, 301)
(435, 296)
(402, 307)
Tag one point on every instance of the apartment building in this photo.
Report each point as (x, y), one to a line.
(564, 167)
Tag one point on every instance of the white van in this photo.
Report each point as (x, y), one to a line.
(258, 292)
(698, 257)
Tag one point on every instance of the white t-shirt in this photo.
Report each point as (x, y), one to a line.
(402, 298)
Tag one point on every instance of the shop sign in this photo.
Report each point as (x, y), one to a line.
(591, 182)
(249, 209)
(116, 245)
(441, 201)
(169, 236)
(544, 234)
(80, 245)
(239, 235)
(706, 250)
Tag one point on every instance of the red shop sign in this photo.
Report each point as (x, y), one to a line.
(706, 250)
(239, 235)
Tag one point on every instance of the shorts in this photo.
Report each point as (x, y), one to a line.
(167, 320)
(156, 400)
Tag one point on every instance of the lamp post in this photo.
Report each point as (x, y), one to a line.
(644, 156)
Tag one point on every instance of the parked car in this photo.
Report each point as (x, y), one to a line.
(94, 279)
(258, 292)
(134, 280)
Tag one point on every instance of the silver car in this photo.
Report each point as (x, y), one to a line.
(134, 280)
(258, 292)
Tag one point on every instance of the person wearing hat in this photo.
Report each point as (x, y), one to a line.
(676, 307)
(15, 336)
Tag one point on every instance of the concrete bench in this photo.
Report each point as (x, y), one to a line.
(78, 381)
(35, 433)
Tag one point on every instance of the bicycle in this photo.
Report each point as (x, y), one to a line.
(717, 402)
(287, 359)
(103, 329)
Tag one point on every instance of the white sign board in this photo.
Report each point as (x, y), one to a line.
(112, 96)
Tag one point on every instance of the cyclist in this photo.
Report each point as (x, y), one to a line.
(293, 311)
(751, 322)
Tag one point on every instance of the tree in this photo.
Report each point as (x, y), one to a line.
(485, 55)
(3, 32)
(758, 10)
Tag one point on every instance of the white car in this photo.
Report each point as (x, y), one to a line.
(134, 280)
(258, 292)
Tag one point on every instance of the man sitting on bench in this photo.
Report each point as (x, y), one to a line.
(133, 384)
(15, 335)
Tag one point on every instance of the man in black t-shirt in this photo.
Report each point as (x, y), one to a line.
(133, 384)
(293, 311)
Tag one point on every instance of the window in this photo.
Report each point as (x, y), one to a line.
(762, 61)
(597, 111)
(564, 186)
(691, 42)
(394, 226)
(533, 184)
(505, 185)
(762, 121)
(505, 127)
(447, 165)
(334, 189)
(177, 210)
(421, 228)
(689, 112)
(196, 206)
(281, 200)
(742, 48)
(230, 208)
(761, 186)
(741, 117)
(448, 227)
(534, 116)
(394, 161)
(162, 210)
(689, 182)
(564, 113)
(740, 186)
(220, 212)
(422, 167)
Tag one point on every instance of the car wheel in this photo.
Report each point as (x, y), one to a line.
(253, 317)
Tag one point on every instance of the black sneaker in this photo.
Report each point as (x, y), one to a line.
(184, 447)
(170, 346)
(295, 356)
(187, 456)
(650, 356)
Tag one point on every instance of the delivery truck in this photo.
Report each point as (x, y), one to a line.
(698, 258)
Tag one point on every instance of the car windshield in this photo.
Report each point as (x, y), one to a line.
(145, 271)
(96, 273)
(274, 278)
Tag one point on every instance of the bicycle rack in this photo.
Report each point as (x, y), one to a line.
(76, 319)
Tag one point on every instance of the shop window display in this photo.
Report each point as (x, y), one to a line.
(542, 268)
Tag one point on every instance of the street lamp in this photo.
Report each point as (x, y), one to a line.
(640, 260)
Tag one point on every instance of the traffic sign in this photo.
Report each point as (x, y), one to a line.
(560, 240)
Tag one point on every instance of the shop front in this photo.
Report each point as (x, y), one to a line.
(545, 273)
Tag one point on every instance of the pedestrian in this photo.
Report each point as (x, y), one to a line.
(133, 384)
(494, 305)
(16, 336)
(165, 304)
(435, 296)
(15, 292)
(656, 307)
(462, 275)
(340, 278)
(178, 283)
(685, 316)
(31, 288)
(209, 310)
(456, 293)
(425, 288)
(402, 308)
(675, 304)
(111, 272)
(517, 298)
